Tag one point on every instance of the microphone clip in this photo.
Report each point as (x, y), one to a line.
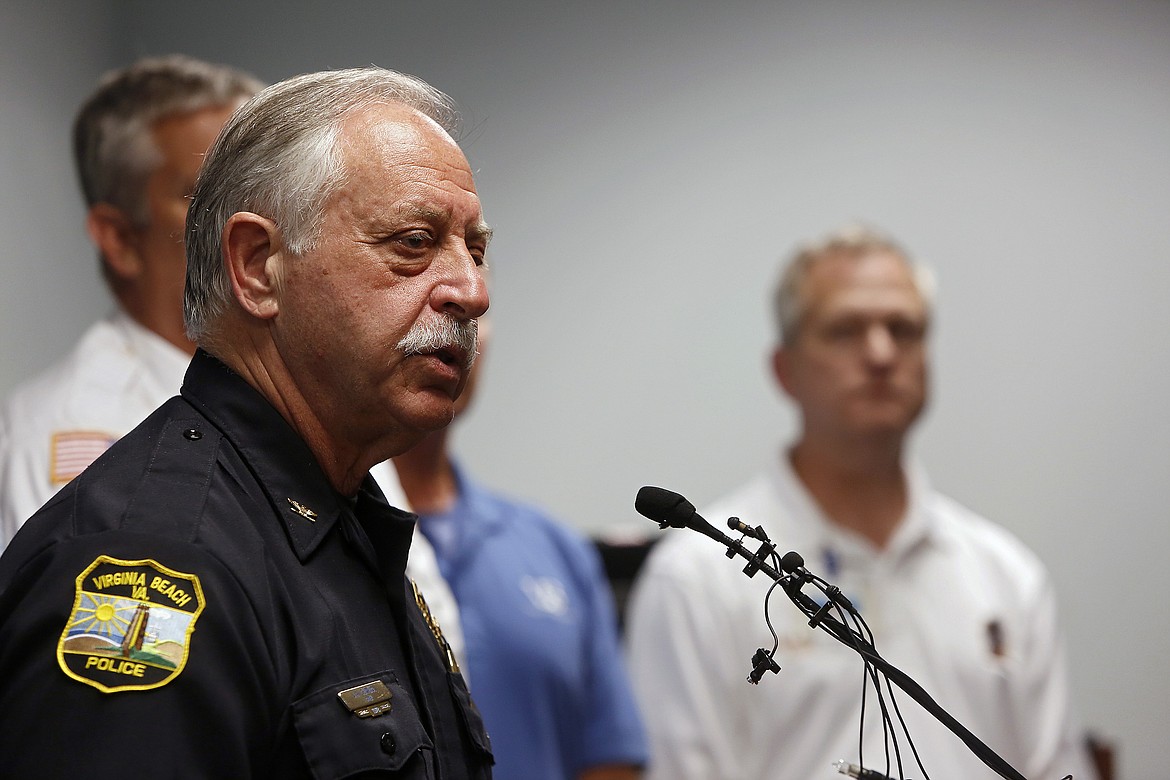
(834, 598)
(757, 533)
(762, 662)
(761, 556)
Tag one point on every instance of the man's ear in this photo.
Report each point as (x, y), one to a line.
(253, 253)
(782, 368)
(112, 231)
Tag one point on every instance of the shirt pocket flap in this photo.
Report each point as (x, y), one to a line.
(338, 742)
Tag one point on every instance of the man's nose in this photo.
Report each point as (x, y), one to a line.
(880, 347)
(462, 292)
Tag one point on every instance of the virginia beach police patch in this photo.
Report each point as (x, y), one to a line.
(131, 624)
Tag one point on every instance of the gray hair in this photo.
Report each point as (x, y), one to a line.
(113, 146)
(278, 156)
(854, 241)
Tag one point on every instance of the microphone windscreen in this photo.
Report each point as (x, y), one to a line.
(791, 561)
(663, 506)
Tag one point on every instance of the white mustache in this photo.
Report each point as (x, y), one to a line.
(437, 333)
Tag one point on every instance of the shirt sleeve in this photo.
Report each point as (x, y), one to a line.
(684, 674)
(1052, 739)
(23, 478)
(214, 717)
(25, 465)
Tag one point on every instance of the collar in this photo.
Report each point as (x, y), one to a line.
(475, 515)
(280, 460)
(475, 501)
(920, 526)
(817, 531)
(157, 356)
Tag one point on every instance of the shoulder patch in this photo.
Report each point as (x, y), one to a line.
(131, 624)
(70, 452)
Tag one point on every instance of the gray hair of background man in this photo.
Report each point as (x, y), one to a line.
(278, 157)
(854, 241)
(113, 144)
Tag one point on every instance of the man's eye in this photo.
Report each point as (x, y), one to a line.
(416, 240)
(905, 331)
(845, 331)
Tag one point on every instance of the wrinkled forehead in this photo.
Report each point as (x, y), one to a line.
(394, 132)
(398, 164)
(874, 282)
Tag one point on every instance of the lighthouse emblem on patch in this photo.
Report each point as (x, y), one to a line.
(131, 625)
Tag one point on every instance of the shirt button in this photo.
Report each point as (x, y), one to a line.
(388, 744)
(192, 434)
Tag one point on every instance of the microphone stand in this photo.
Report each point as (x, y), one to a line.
(819, 617)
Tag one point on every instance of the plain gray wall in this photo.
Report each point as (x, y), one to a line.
(646, 166)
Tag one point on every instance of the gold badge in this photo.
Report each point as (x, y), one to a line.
(302, 510)
(131, 624)
(367, 701)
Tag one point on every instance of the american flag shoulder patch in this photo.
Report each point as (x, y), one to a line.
(72, 451)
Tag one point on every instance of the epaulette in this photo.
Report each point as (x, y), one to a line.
(170, 498)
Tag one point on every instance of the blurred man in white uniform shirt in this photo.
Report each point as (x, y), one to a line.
(954, 601)
(138, 142)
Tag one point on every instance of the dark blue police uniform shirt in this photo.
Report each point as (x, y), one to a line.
(194, 603)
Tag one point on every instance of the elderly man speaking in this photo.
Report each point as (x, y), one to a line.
(222, 593)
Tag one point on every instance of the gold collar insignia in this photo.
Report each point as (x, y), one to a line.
(302, 510)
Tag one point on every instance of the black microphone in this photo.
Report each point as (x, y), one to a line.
(739, 526)
(792, 562)
(668, 508)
